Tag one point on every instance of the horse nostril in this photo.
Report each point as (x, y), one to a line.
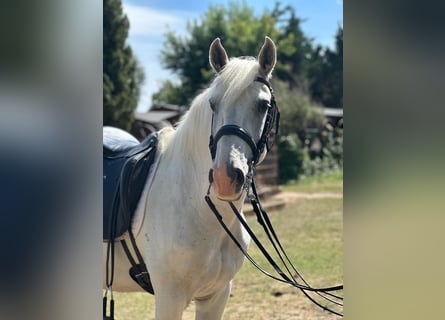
(239, 177)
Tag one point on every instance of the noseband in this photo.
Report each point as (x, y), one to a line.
(272, 122)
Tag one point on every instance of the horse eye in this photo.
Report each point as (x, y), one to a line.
(263, 106)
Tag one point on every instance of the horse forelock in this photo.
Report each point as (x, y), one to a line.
(236, 76)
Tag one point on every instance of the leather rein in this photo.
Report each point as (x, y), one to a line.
(290, 274)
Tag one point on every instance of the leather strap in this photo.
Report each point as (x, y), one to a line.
(288, 278)
(234, 130)
(138, 272)
(272, 117)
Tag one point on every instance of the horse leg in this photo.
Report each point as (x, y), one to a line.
(170, 304)
(212, 308)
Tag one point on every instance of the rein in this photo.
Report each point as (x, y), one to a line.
(290, 274)
(285, 277)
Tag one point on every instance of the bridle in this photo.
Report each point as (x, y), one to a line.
(289, 274)
(272, 122)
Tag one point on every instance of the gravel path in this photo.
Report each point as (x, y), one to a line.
(289, 196)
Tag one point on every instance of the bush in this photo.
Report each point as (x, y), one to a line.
(298, 113)
(295, 161)
(297, 110)
(335, 146)
(291, 156)
(330, 159)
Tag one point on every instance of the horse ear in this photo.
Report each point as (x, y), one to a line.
(267, 56)
(217, 55)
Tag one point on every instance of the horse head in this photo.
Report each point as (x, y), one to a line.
(244, 113)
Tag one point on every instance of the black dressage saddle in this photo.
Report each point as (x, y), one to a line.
(126, 164)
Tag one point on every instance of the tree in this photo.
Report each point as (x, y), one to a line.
(241, 31)
(238, 28)
(326, 74)
(297, 110)
(122, 75)
(295, 47)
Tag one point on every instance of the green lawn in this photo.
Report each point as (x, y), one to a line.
(310, 230)
(332, 182)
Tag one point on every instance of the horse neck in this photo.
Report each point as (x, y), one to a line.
(189, 149)
(191, 140)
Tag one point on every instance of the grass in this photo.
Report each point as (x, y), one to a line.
(310, 231)
(329, 182)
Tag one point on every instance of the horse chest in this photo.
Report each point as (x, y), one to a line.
(203, 256)
(215, 267)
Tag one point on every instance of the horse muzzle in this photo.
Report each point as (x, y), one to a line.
(227, 182)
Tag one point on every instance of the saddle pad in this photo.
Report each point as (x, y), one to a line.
(126, 166)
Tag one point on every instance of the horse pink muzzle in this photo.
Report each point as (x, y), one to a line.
(228, 182)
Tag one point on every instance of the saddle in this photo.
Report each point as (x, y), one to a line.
(126, 164)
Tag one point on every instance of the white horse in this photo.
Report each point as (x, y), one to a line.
(188, 255)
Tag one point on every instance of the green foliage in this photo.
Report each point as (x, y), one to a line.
(171, 92)
(331, 181)
(294, 47)
(326, 74)
(317, 166)
(298, 112)
(242, 32)
(291, 156)
(334, 146)
(317, 71)
(296, 163)
(330, 159)
(122, 75)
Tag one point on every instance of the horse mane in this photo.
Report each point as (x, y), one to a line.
(229, 84)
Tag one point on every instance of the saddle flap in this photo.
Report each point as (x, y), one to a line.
(125, 172)
(134, 175)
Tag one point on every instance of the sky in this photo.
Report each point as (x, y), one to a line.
(151, 19)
